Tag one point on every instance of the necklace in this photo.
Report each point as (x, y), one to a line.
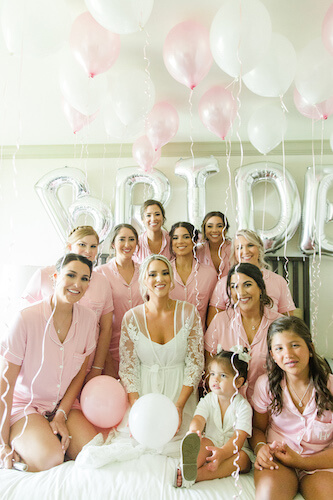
(254, 327)
(300, 400)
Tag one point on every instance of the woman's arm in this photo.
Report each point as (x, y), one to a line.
(212, 311)
(8, 376)
(259, 444)
(103, 344)
(320, 460)
(185, 393)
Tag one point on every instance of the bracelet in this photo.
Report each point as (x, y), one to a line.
(260, 442)
(97, 367)
(62, 411)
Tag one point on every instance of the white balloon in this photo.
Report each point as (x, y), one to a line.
(85, 94)
(132, 95)
(240, 35)
(36, 28)
(314, 75)
(115, 128)
(121, 16)
(266, 128)
(153, 420)
(275, 73)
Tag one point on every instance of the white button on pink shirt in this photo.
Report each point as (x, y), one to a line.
(226, 330)
(276, 288)
(198, 288)
(144, 250)
(304, 432)
(125, 296)
(33, 344)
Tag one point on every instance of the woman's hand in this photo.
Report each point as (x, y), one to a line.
(7, 455)
(180, 415)
(216, 457)
(287, 456)
(265, 457)
(58, 426)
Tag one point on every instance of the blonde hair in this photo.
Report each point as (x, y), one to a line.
(254, 238)
(81, 232)
(144, 270)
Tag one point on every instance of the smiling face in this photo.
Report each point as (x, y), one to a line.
(153, 218)
(214, 230)
(246, 252)
(158, 279)
(291, 353)
(221, 379)
(125, 243)
(72, 282)
(244, 292)
(86, 246)
(182, 242)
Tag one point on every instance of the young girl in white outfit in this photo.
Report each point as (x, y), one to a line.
(227, 419)
(293, 417)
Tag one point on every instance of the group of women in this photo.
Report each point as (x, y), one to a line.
(147, 316)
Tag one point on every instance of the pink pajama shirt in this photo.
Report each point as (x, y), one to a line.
(143, 250)
(226, 330)
(125, 296)
(198, 288)
(48, 366)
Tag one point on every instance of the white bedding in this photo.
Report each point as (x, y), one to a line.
(148, 477)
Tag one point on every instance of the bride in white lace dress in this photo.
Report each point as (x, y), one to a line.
(161, 343)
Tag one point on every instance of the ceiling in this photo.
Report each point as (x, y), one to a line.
(31, 110)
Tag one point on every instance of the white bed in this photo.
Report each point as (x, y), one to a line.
(148, 477)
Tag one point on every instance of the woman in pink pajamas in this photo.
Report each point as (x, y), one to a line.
(122, 274)
(83, 240)
(155, 239)
(194, 282)
(215, 249)
(43, 362)
(247, 247)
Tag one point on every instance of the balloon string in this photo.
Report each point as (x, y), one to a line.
(229, 188)
(191, 124)
(147, 71)
(286, 260)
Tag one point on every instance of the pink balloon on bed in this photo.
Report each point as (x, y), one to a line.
(104, 401)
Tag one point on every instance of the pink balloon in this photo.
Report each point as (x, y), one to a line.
(104, 401)
(94, 47)
(187, 54)
(320, 111)
(144, 153)
(327, 30)
(162, 124)
(76, 119)
(217, 110)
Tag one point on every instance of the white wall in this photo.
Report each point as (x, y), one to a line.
(29, 238)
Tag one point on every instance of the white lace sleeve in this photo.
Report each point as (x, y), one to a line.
(194, 361)
(129, 366)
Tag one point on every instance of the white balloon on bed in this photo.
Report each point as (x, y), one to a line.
(153, 420)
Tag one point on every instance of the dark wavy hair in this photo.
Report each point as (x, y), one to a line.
(318, 368)
(237, 366)
(253, 272)
(69, 257)
(215, 214)
(193, 232)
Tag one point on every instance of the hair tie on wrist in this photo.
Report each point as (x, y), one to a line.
(62, 411)
(97, 367)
